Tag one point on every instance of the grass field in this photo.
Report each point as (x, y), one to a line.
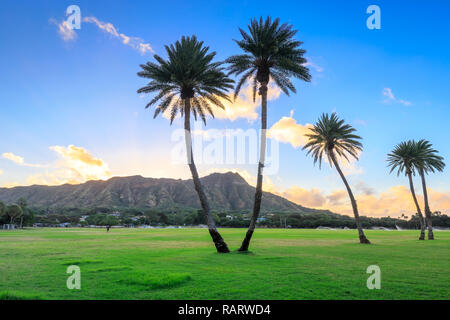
(182, 264)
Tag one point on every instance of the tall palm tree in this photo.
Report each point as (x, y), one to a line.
(428, 161)
(403, 158)
(330, 136)
(189, 82)
(271, 52)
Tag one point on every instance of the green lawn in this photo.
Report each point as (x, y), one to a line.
(183, 264)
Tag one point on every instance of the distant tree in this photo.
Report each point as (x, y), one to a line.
(22, 202)
(270, 52)
(14, 211)
(163, 218)
(2, 210)
(402, 159)
(152, 217)
(189, 82)
(110, 221)
(330, 136)
(427, 161)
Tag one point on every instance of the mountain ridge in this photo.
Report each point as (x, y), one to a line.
(225, 191)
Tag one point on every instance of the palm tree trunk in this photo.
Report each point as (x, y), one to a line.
(362, 237)
(220, 244)
(419, 212)
(427, 207)
(21, 221)
(262, 155)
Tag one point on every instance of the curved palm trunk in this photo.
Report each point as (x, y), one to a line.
(427, 207)
(362, 237)
(262, 155)
(422, 222)
(220, 244)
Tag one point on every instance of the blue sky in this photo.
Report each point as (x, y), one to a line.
(81, 92)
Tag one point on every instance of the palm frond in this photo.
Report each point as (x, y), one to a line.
(189, 72)
(331, 134)
(269, 50)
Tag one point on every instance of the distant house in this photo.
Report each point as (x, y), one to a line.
(229, 217)
(83, 218)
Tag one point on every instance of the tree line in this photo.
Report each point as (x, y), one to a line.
(133, 217)
(16, 211)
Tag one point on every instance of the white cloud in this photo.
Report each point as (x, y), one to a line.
(313, 65)
(14, 158)
(308, 198)
(393, 202)
(390, 97)
(69, 34)
(64, 30)
(134, 42)
(19, 160)
(76, 165)
(1, 171)
(79, 165)
(287, 130)
(360, 122)
(243, 107)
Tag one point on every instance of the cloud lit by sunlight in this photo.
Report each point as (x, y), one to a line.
(14, 158)
(287, 130)
(243, 107)
(19, 160)
(76, 165)
(80, 165)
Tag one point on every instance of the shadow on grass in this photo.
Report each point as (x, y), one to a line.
(8, 295)
(167, 280)
(79, 262)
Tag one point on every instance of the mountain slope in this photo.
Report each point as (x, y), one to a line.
(227, 191)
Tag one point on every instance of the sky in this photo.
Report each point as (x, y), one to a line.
(69, 110)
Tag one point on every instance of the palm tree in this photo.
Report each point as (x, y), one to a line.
(331, 136)
(271, 52)
(189, 82)
(22, 202)
(403, 158)
(427, 161)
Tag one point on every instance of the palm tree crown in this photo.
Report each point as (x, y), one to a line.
(403, 157)
(270, 52)
(188, 73)
(331, 134)
(428, 159)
